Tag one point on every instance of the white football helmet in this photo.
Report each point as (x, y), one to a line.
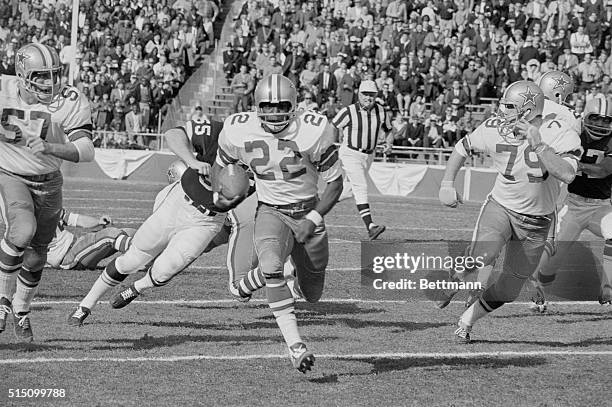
(556, 85)
(597, 118)
(522, 100)
(39, 70)
(175, 171)
(275, 102)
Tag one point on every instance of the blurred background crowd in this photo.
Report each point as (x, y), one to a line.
(132, 55)
(436, 62)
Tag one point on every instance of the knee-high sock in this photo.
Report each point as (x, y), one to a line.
(27, 287)
(109, 278)
(606, 277)
(11, 259)
(281, 303)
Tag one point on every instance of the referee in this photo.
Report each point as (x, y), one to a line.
(360, 125)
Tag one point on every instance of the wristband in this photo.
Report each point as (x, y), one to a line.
(539, 148)
(73, 219)
(315, 217)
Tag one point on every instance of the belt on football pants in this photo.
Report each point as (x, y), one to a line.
(360, 150)
(35, 178)
(295, 209)
(200, 208)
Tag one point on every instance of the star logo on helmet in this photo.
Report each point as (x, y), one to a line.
(528, 97)
(21, 57)
(560, 82)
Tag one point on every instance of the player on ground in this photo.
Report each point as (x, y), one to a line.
(43, 124)
(287, 152)
(588, 202)
(181, 226)
(86, 252)
(532, 158)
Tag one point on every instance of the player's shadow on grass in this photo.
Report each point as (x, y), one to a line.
(327, 308)
(30, 347)
(553, 313)
(151, 342)
(552, 344)
(385, 365)
(38, 308)
(237, 305)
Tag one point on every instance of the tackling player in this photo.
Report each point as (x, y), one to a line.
(182, 224)
(43, 124)
(588, 202)
(287, 152)
(66, 251)
(533, 157)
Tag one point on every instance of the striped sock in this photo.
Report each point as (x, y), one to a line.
(122, 243)
(281, 303)
(27, 287)
(109, 278)
(148, 282)
(11, 258)
(253, 281)
(366, 216)
(474, 313)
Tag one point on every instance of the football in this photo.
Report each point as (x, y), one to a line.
(233, 181)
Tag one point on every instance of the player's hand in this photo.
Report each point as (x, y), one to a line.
(105, 220)
(529, 132)
(448, 195)
(225, 204)
(305, 229)
(201, 167)
(38, 146)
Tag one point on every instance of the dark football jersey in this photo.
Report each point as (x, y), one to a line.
(594, 152)
(204, 136)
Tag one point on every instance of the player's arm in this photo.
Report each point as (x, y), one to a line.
(79, 149)
(327, 163)
(561, 167)
(602, 169)
(226, 155)
(84, 221)
(179, 144)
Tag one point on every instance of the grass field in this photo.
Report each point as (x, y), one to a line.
(189, 344)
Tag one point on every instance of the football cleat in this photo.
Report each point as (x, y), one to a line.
(5, 311)
(375, 230)
(124, 297)
(22, 327)
(78, 316)
(539, 299)
(462, 334)
(605, 297)
(302, 359)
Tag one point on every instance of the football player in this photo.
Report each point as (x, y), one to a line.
(182, 224)
(588, 203)
(557, 86)
(44, 123)
(533, 157)
(86, 252)
(288, 152)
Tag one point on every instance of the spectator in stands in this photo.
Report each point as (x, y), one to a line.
(134, 124)
(242, 86)
(580, 43)
(387, 98)
(433, 134)
(348, 86)
(324, 83)
(588, 73)
(406, 87)
(308, 103)
(307, 76)
(568, 62)
(417, 107)
(331, 107)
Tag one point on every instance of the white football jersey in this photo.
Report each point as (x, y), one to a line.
(553, 110)
(58, 123)
(59, 246)
(523, 184)
(286, 165)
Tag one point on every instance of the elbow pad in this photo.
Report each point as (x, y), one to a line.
(85, 148)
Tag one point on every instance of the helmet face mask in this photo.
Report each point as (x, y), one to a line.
(521, 101)
(39, 70)
(275, 102)
(597, 118)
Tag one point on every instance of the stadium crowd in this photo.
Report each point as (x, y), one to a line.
(432, 60)
(131, 59)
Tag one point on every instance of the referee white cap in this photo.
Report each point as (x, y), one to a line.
(368, 86)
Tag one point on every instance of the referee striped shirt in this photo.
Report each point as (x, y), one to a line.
(361, 127)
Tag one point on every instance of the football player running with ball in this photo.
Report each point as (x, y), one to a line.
(182, 224)
(532, 157)
(44, 123)
(588, 203)
(287, 152)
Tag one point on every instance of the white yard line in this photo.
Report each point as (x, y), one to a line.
(327, 300)
(357, 356)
